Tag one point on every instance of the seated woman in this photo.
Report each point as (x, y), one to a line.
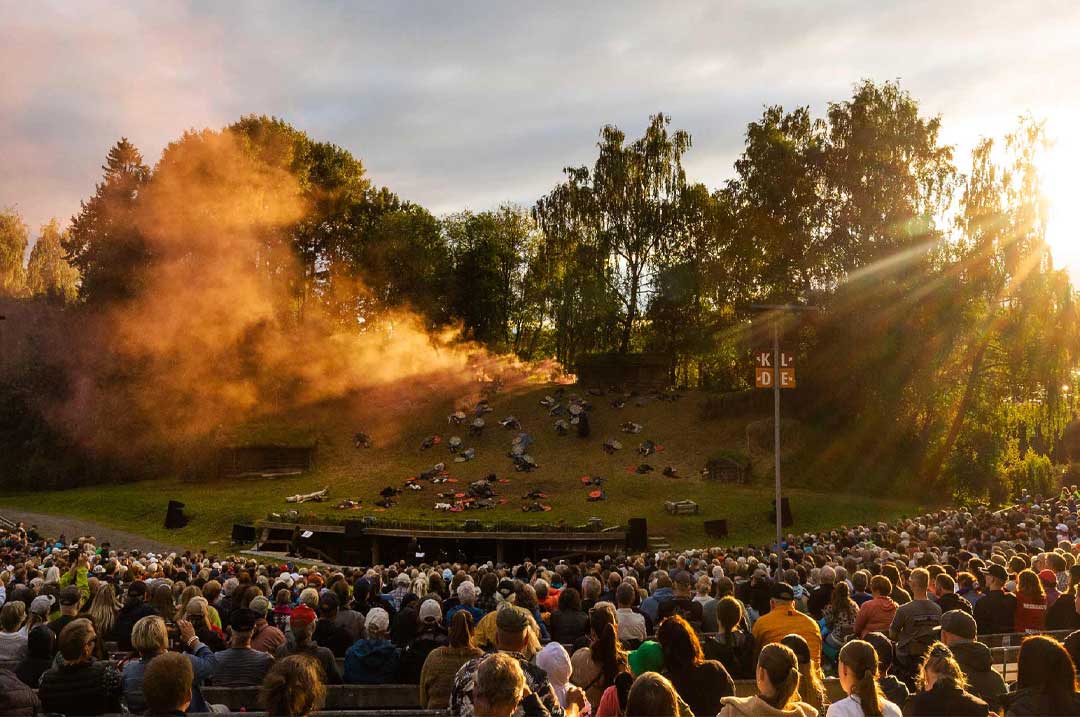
(150, 638)
(1045, 682)
(442, 663)
(942, 688)
(702, 683)
(595, 667)
(778, 688)
(811, 681)
(733, 645)
(293, 687)
(652, 695)
(569, 624)
(858, 668)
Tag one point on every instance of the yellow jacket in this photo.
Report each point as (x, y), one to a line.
(786, 620)
(484, 634)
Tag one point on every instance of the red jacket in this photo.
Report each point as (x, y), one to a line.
(875, 616)
(1030, 613)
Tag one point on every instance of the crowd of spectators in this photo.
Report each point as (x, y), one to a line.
(893, 611)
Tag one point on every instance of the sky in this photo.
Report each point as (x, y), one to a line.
(461, 105)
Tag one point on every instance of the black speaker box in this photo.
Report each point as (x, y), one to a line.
(786, 518)
(716, 528)
(174, 516)
(354, 528)
(638, 536)
(244, 533)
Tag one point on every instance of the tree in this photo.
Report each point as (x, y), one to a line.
(104, 243)
(14, 236)
(49, 274)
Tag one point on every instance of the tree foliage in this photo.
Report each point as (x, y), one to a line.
(14, 236)
(48, 272)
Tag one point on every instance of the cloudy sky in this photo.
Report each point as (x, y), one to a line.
(466, 105)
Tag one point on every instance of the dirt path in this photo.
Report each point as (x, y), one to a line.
(53, 525)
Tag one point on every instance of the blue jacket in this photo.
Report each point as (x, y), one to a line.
(372, 662)
(651, 605)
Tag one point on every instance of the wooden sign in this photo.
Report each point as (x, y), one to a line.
(763, 377)
(765, 373)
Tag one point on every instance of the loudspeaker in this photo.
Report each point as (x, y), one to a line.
(638, 536)
(716, 528)
(174, 516)
(354, 529)
(244, 533)
(785, 513)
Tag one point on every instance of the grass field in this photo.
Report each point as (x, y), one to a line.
(687, 441)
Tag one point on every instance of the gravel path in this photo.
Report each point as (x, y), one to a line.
(54, 525)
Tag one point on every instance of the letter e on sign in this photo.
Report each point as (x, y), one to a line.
(763, 377)
(787, 378)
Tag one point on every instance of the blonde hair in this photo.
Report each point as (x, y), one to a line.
(499, 680)
(103, 608)
(293, 687)
(149, 636)
(940, 661)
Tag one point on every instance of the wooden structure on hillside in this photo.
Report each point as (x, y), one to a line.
(640, 371)
(264, 461)
(727, 469)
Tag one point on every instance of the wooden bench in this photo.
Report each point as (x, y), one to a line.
(338, 697)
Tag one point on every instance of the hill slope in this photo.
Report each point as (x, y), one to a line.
(398, 428)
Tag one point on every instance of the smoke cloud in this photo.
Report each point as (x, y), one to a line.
(213, 338)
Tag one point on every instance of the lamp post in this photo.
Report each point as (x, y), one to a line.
(780, 374)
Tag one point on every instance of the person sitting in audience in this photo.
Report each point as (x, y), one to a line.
(995, 611)
(811, 678)
(595, 666)
(80, 685)
(430, 634)
(266, 638)
(293, 687)
(554, 660)
(943, 689)
(733, 645)
(373, 660)
(17, 698)
(13, 631)
(196, 613)
(876, 614)
(442, 663)
(303, 621)
(894, 690)
(467, 596)
(945, 594)
(652, 695)
(500, 689)
(857, 666)
(150, 638)
(700, 682)
(1030, 603)
(1045, 680)
(512, 636)
(328, 633)
(569, 624)
(135, 608)
(40, 650)
(240, 665)
(167, 686)
(632, 630)
(777, 677)
(958, 633)
(784, 619)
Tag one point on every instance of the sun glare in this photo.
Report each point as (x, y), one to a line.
(1061, 184)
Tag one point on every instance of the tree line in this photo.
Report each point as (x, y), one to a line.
(946, 348)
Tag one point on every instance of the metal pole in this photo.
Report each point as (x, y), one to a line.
(776, 442)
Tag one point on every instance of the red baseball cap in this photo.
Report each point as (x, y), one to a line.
(302, 616)
(1048, 577)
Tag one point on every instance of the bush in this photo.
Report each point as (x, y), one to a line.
(1034, 471)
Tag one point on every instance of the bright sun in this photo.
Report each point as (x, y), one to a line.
(1061, 185)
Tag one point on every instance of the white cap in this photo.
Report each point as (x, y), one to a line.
(430, 611)
(378, 619)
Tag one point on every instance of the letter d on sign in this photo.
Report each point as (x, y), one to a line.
(764, 377)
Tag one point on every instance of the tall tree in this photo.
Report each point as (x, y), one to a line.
(14, 236)
(48, 273)
(104, 243)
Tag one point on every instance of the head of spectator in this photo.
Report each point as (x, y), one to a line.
(1045, 668)
(590, 588)
(293, 687)
(943, 585)
(302, 623)
(777, 676)
(69, 601)
(430, 613)
(499, 686)
(167, 684)
(376, 624)
(652, 695)
(1029, 585)
(811, 678)
(569, 600)
(939, 665)
(12, 616)
(886, 650)
(77, 641)
(242, 625)
(729, 614)
(466, 593)
(957, 626)
(555, 661)
(995, 577)
(605, 648)
(136, 594)
(149, 636)
(880, 586)
(161, 599)
(919, 581)
(782, 597)
(625, 595)
(461, 630)
(680, 645)
(682, 584)
(511, 630)
(260, 606)
(858, 672)
(827, 576)
(328, 607)
(309, 597)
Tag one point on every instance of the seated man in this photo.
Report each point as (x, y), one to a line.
(914, 622)
(241, 665)
(373, 660)
(958, 632)
(783, 619)
(302, 625)
(167, 685)
(80, 685)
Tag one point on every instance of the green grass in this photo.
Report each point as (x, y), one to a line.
(687, 440)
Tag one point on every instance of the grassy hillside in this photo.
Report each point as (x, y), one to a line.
(398, 429)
